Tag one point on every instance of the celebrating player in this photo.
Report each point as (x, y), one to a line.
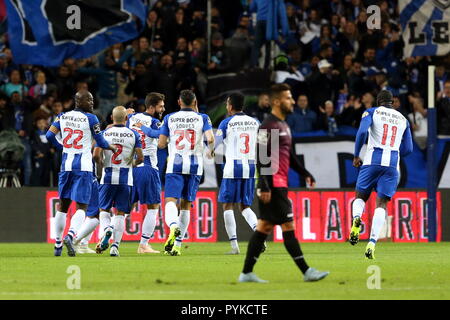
(239, 133)
(184, 165)
(275, 207)
(389, 137)
(77, 127)
(147, 184)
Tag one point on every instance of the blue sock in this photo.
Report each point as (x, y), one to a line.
(373, 240)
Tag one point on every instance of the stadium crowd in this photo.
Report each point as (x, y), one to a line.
(334, 64)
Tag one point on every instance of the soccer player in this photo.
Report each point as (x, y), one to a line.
(147, 184)
(275, 144)
(239, 133)
(117, 176)
(389, 138)
(184, 164)
(78, 127)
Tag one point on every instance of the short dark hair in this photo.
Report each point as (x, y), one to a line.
(277, 89)
(384, 98)
(187, 97)
(153, 98)
(237, 101)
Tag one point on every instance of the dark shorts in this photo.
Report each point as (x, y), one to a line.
(279, 209)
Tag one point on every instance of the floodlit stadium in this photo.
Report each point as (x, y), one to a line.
(224, 150)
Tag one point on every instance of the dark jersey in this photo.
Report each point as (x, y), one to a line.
(276, 154)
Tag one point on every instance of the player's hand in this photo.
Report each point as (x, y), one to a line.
(310, 181)
(357, 162)
(138, 124)
(210, 154)
(265, 196)
(130, 111)
(112, 148)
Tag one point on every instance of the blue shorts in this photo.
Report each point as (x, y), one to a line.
(115, 195)
(237, 191)
(383, 179)
(93, 207)
(75, 185)
(146, 185)
(181, 186)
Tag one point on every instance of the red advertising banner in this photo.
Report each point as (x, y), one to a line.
(405, 217)
(203, 226)
(422, 214)
(333, 217)
(308, 217)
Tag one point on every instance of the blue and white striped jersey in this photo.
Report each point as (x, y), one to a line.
(117, 167)
(185, 131)
(239, 133)
(387, 130)
(78, 128)
(149, 145)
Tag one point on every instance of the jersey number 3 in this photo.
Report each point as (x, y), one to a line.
(385, 132)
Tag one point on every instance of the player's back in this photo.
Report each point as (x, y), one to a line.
(149, 145)
(185, 130)
(385, 136)
(240, 134)
(117, 167)
(77, 137)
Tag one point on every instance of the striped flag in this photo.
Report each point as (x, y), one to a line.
(425, 27)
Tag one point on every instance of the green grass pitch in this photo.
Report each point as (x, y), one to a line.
(408, 271)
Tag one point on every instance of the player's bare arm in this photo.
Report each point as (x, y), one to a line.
(139, 157)
(210, 141)
(98, 158)
(163, 141)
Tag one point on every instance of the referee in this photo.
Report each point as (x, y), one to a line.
(272, 190)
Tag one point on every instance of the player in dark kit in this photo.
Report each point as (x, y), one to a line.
(275, 141)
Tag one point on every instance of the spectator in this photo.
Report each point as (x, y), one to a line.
(239, 48)
(165, 82)
(106, 74)
(323, 84)
(42, 151)
(15, 85)
(284, 73)
(396, 104)
(220, 59)
(185, 75)
(41, 87)
(153, 26)
(23, 124)
(140, 82)
(443, 110)
(64, 83)
(6, 114)
(356, 82)
(261, 109)
(327, 120)
(198, 25)
(302, 119)
(418, 119)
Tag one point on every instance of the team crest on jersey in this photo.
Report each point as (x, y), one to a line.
(219, 132)
(209, 122)
(365, 114)
(96, 128)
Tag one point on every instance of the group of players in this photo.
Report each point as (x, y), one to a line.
(124, 159)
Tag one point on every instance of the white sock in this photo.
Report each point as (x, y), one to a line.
(60, 225)
(230, 226)
(171, 214)
(105, 221)
(379, 218)
(184, 218)
(148, 226)
(358, 207)
(76, 222)
(85, 240)
(118, 223)
(250, 217)
(86, 228)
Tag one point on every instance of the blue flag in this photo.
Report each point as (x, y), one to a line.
(45, 32)
(425, 27)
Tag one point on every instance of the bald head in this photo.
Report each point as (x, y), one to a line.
(84, 100)
(119, 115)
